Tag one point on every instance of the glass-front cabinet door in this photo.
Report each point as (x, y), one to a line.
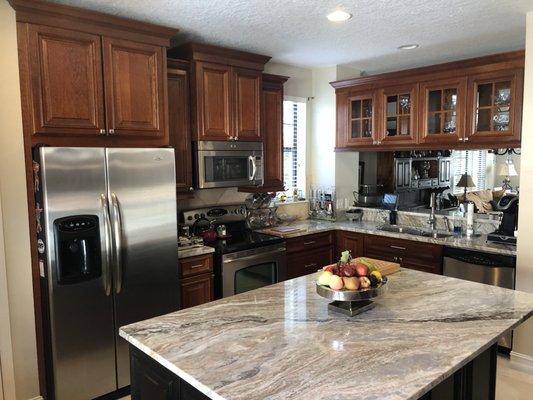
(443, 110)
(361, 120)
(494, 112)
(398, 114)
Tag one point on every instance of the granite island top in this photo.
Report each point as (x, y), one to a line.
(478, 243)
(280, 342)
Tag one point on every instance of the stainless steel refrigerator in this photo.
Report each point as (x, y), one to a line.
(110, 247)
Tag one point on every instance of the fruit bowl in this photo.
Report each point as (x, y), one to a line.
(352, 295)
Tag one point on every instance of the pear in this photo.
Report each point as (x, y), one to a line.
(336, 282)
(324, 278)
(351, 283)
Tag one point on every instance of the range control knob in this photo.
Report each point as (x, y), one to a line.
(196, 216)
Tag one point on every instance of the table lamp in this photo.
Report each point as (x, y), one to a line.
(466, 182)
(508, 169)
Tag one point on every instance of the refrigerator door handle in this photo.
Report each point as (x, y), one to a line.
(117, 235)
(106, 257)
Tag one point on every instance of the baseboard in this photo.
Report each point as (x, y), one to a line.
(37, 398)
(522, 361)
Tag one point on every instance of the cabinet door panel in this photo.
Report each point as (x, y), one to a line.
(196, 290)
(443, 110)
(213, 101)
(247, 89)
(66, 81)
(303, 263)
(349, 241)
(179, 126)
(495, 99)
(399, 108)
(273, 137)
(361, 127)
(135, 88)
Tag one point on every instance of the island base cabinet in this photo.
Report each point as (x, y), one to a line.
(475, 381)
(151, 381)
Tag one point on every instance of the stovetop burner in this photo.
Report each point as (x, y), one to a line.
(239, 236)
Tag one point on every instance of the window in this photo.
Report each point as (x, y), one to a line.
(294, 132)
(472, 162)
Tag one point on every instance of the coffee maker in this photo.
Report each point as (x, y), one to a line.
(505, 234)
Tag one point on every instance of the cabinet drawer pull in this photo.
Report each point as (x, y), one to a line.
(196, 266)
(312, 265)
(398, 247)
(309, 243)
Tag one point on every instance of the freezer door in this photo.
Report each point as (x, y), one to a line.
(81, 312)
(142, 192)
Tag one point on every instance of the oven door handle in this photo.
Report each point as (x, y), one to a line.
(251, 162)
(252, 256)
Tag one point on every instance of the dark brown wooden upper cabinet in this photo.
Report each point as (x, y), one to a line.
(179, 122)
(272, 132)
(398, 116)
(65, 72)
(227, 91)
(247, 103)
(134, 88)
(443, 109)
(495, 99)
(213, 96)
(474, 103)
(361, 112)
(91, 79)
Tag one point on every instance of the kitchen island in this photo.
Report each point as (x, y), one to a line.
(426, 334)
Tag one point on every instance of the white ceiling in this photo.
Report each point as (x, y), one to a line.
(297, 32)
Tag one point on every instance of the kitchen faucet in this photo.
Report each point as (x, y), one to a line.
(432, 221)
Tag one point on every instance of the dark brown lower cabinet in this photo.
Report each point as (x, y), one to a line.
(196, 280)
(426, 257)
(476, 380)
(354, 242)
(197, 290)
(309, 261)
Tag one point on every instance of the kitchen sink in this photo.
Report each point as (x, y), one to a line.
(398, 229)
(414, 231)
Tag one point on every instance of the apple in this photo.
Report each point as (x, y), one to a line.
(336, 282)
(361, 269)
(365, 282)
(351, 283)
(324, 278)
(348, 270)
(329, 268)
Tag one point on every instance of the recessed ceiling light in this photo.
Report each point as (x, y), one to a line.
(339, 16)
(409, 46)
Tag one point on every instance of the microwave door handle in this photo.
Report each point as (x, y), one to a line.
(253, 166)
(117, 235)
(106, 254)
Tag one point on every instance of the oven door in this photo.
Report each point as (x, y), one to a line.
(222, 168)
(251, 269)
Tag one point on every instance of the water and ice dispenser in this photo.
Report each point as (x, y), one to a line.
(77, 249)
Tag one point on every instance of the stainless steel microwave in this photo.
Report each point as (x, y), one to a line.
(229, 164)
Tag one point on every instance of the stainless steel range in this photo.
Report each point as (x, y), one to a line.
(244, 259)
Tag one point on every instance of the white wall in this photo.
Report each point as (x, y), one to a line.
(7, 375)
(15, 213)
(524, 278)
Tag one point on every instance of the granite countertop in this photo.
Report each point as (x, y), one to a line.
(279, 342)
(194, 251)
(477, 243)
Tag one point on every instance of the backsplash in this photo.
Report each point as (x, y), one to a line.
(212, 197)
(409, 218)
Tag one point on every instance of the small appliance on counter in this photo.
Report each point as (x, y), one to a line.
(243, 259)
(322, 203)
(505, 234)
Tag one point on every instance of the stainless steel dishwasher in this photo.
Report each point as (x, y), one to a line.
(491, 269)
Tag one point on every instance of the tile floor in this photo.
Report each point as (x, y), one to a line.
(511, 384)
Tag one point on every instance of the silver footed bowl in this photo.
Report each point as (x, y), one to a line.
(352, 295)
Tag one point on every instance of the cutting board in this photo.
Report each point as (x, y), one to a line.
(283, 230)
(385, 267)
